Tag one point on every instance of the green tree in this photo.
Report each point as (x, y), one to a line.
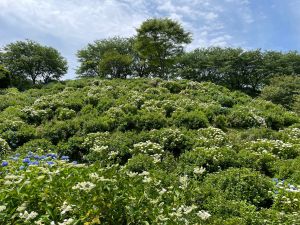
(159, 42)
(30, 60)
(5, 80)
(91, 57)
(115, 65)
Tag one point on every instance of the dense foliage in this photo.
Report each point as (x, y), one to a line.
(146, 151)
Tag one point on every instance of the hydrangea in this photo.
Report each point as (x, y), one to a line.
(204, 215)
(85, 186)
(4, 163)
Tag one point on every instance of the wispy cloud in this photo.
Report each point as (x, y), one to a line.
(70, 24)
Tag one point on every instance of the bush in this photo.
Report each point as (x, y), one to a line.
(171, 139)
(59, 130)
(211, 159)
(39, 146)
(190, 120)
(242, 184)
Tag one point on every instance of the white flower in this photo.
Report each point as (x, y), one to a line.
(2, 208)
(39, 222)
(144, 173)
(184, 182)
(67, 222)
(147, 179)
(22, 207)
(189, 209)
(162, 191)
(131, 174)
(85, 186)
(94, 176)
(198, 170)
(65, 208)
(204, 215)
(28, 216)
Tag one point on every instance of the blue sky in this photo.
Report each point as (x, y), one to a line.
(69, 25)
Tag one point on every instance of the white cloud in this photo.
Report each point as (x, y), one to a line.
(71, 24)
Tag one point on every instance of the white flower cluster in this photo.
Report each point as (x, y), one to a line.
(199, 171)
(276, 147)
(66, 208)
(2, 208)
(147, 147)
(28, 216)
(85, 186)
(211, 136)
(204, 215)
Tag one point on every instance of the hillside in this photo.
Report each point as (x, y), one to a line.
(146, 151)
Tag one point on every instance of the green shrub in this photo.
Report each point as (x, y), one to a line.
(146, 120)
(190, 120)
(39, 146)
(212, 159)
(59, 130)
(242, 184)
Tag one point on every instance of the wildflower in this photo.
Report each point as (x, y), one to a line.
(2, 208)
(4, 163)
(75, 162)
(85, 186)
(50, 163)
(204, 215)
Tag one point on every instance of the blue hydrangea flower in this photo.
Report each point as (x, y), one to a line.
(21, 167)
(26, 160)
(34, 163)
(4, 163)
(64, 157)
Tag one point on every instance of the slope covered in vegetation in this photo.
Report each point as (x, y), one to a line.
(146, 151)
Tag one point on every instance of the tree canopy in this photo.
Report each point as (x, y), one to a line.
(159, 42)
(91, 58)
(29, 60)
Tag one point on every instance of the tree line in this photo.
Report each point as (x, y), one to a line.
(157, 50)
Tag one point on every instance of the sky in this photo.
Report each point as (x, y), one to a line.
(69, 25)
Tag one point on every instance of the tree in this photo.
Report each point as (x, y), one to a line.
(115, 65)
(5, 80)
(159, 42)
(30, 60)
(91, 58)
